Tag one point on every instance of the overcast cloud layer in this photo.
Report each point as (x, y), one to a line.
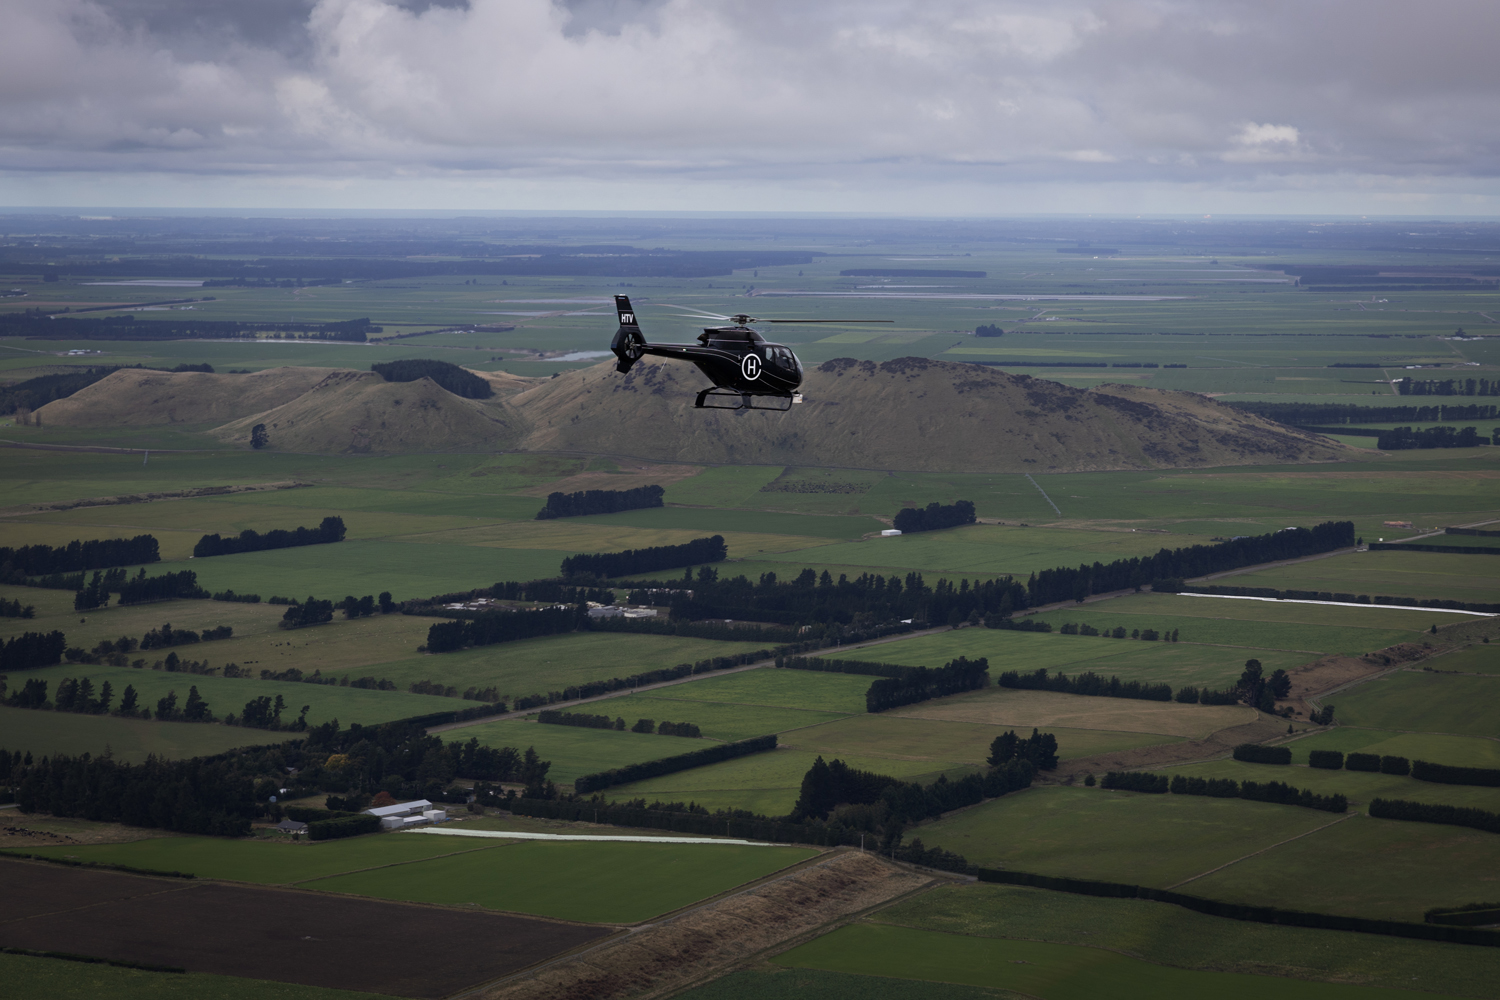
(1368, 106)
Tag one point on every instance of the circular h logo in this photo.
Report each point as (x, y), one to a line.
(750, 366)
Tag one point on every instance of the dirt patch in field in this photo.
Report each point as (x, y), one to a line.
(310, 938)
(1163, 755)
(18, 830)
(1009, 707)
(709, 941)
(632, 474)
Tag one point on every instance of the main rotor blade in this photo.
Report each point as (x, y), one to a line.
(824, 321)
(701, 314)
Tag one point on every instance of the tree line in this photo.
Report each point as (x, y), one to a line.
(600, 502)
(32, 649)
(612, 565)
(491, 627)
(1088, 683)
(330, 530)
(1404, 438)
(141, 589)
(671, 765)
(220, 795)
(1173, 565)
(309, 612)
(77, 556)
(1447, 387)
(862, 603)
(934, 517)
(43, 327)
(1255, 791)
(1351, 413)
(459, 381)
(1039, 750)
(554, 717)
(1118, 632)
(1423, 812)
(15, 609)
(923, 684)
(591, 689)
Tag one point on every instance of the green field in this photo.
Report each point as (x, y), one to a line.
(777, 983)
(1178, 664)
(575, 751)
(25, 976)
(225, 695)
(268, 862)
(590, 882)
(888, 735)
(1396, 574)
(765, 783)
(1456, 751)
(1415, 701)
(1359, 786)
(1047, 971)
(1115, 836)
(131, 740)
(802, 689)
(719, 720)
(1049, 710)
(1369, 868)
(595, 883)
(1171, 935)
(1479, 659)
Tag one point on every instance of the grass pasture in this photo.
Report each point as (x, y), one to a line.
(718, 720)
(1367, 867)
(1483, 658)
(802, 689)
(1418, 701)
(766, 783)
(1178, 664)
(46, 734)
(575, 751)
(1170, 935)
(916, 739)
(589, 882)
(1359, 786)
(1397, 574)
(1456, 751)
(802, 983)
(1157, 840)
(225, 695)
(1008, 707)
(1046, 971)
(267, 862)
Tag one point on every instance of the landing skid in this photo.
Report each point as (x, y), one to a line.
(742, 401)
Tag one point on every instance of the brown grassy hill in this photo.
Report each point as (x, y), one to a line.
(911, 414)
(353, 411)
(137, 398)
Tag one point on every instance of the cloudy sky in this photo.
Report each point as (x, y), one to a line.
(875, 106)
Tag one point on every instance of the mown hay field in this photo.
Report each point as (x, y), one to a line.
(1115, 836)
(718, 720)
(593, 883)
(1053, 971)
(1368, 868)
(1171, 935)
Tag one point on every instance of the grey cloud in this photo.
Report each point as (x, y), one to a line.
(900, 93)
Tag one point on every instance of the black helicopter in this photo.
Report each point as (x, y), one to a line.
(742, 365)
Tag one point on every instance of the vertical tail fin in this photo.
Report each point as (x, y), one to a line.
(628, 338)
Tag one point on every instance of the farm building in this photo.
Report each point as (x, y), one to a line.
(404, 814)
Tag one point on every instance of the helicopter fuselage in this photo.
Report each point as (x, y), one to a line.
(736, 359)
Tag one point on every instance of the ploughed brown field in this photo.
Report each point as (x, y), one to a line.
(277, 934)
